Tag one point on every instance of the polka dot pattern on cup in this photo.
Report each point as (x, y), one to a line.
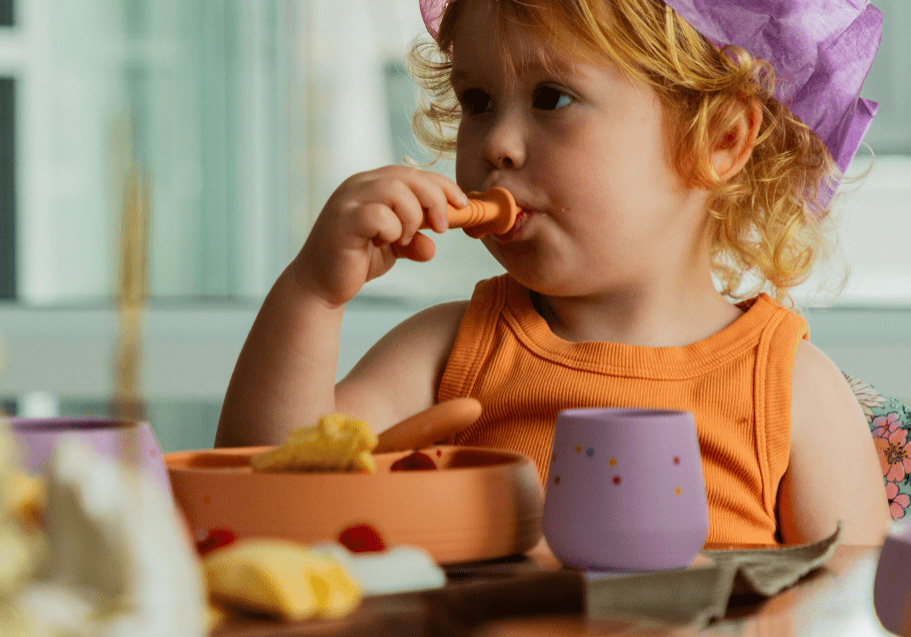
(613, 462)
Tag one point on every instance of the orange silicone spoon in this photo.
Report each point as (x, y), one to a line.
(429, 426)
(491, 212)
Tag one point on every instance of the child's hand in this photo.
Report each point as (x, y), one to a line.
(371, 220)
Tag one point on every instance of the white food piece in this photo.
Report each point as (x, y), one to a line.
(398, 569)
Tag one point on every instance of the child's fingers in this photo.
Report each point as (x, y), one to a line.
(435, 192)
(414, 195)
(421, 248)
(392, 214)
(388, 206)
(380, 224)
(454, 194)
(433, 205)
(403, 200)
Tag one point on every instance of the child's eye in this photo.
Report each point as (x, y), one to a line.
(475, 101)
(549, 98)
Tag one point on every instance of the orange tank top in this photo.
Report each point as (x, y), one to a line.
(737, 384)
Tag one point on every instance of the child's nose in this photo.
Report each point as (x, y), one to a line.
(505, 146)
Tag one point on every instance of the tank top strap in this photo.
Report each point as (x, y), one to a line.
(774, 363)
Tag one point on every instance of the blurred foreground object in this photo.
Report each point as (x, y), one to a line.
(118, 561)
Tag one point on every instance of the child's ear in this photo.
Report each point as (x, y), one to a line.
(736, 145)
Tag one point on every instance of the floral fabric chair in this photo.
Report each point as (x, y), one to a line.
(890, 424)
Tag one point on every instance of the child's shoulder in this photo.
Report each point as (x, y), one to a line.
(430, 328)
(833, 470)
(820, 395)
(442, 316)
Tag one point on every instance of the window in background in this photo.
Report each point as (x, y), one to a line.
(874, 217)
(244, 114)
(889, 82)
(7, 187)
(8, 53)
(190, 93)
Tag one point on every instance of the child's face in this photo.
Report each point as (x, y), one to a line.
(584, 150)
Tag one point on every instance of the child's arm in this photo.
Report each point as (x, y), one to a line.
(285, 375)
(833, 472)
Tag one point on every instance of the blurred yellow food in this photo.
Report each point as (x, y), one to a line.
(280, 578)
(25, 500)
(15, 558)
(21, 500)
(335, 443)
(215, 616)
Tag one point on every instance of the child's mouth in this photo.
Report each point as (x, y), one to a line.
(521, 219)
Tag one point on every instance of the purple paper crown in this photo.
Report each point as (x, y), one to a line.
(821, 50)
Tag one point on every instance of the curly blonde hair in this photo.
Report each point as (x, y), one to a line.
(769, 227)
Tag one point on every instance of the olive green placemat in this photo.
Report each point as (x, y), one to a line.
(693, 597)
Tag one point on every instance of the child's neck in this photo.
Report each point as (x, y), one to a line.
(651, 317)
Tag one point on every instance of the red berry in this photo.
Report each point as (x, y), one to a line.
(415, 461)
(215, 539)
(361, 538)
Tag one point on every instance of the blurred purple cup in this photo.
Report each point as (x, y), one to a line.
(37, 438)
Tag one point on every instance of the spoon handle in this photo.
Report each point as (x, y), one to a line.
(430, 426)
(493, 211)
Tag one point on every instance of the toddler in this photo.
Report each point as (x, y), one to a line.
(655, 161)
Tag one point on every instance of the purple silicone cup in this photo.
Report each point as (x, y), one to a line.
(625, 490)
(37, 438)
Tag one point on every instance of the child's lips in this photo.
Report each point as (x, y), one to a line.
(521, 219)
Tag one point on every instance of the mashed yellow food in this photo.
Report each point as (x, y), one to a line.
(335, 443)
(280, 578)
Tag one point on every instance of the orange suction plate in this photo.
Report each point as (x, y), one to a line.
(479, 504)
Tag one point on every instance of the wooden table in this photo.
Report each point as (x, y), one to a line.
(505, 599)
